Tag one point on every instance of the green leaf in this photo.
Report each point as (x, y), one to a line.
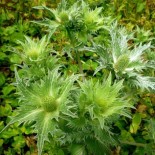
(141, 6)
(144, 82)
(96, 147)
(44, 126)
(1, 142)
(5, 110)
(77, 149)
(9, 133)
(14, 58)
(2, 55)
(25, 115)
(8, 89)
(19, 142)
(126, 136)
(2, 79)
(135, 123)
(60, 152)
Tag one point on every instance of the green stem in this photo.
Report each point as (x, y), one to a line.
(134, 143)
(71, 37)
(79, 64)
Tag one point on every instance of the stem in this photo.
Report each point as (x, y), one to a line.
(71, 37)
(79, 64)
(134, 143)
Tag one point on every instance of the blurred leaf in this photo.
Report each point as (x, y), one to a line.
(14, 58)
(26, 129)
(89, 65)
(77, 149)
(19, 142)
(2, 79)
(2, 56)
(5, 110)
(1, 125)
(126, 136)
(12, 101)
(8, 89)
(140, 6)
(1, 142)
(60, 152)
(120, 124)
(135, 123)
(9, 133)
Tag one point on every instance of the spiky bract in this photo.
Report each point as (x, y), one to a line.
(126, 61)
(34, 50)
(102, 100)
(44, 102)
(78, 20)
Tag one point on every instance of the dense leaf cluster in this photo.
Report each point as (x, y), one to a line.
(79, 84)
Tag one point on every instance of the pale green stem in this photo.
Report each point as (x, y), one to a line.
(79, 64)
(77, 56)
(134, 143)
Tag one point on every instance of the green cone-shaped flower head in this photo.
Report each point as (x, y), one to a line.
(50, 93)
(122, 63)
(43, 103)
(49, 103)
(34, 50)
(102, 100)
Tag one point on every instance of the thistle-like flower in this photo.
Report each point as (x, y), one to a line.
(34, 50)
(102, 100)
(78, 20)
(44, 102)
(125, 60)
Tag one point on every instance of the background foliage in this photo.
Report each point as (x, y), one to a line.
(137, 134)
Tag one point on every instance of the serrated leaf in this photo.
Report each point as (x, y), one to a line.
(27, 114)
(77, 149)
(102, 100)
(44, 126)
(144, 82)
(96, 147)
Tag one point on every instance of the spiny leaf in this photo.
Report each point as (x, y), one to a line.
(138, 51)
(44, 125)
(144, 82)
(77, 149)
(102, 100)
(77, 123)
(24, 115)
(96, 147)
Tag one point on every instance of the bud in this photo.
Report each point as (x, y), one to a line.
(33, 54)
(122, 63)
(64, 17)
(49, 104)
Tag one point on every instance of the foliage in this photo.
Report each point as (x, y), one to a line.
(77, 114)
(126, 61)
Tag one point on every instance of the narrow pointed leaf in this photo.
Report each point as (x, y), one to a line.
(44, 126)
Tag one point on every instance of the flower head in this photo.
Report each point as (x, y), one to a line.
(34, 50)
(102, 100)
(44, 102)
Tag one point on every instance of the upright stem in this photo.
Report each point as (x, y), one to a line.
(77, 54)
(134, 143)
(79, 64)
